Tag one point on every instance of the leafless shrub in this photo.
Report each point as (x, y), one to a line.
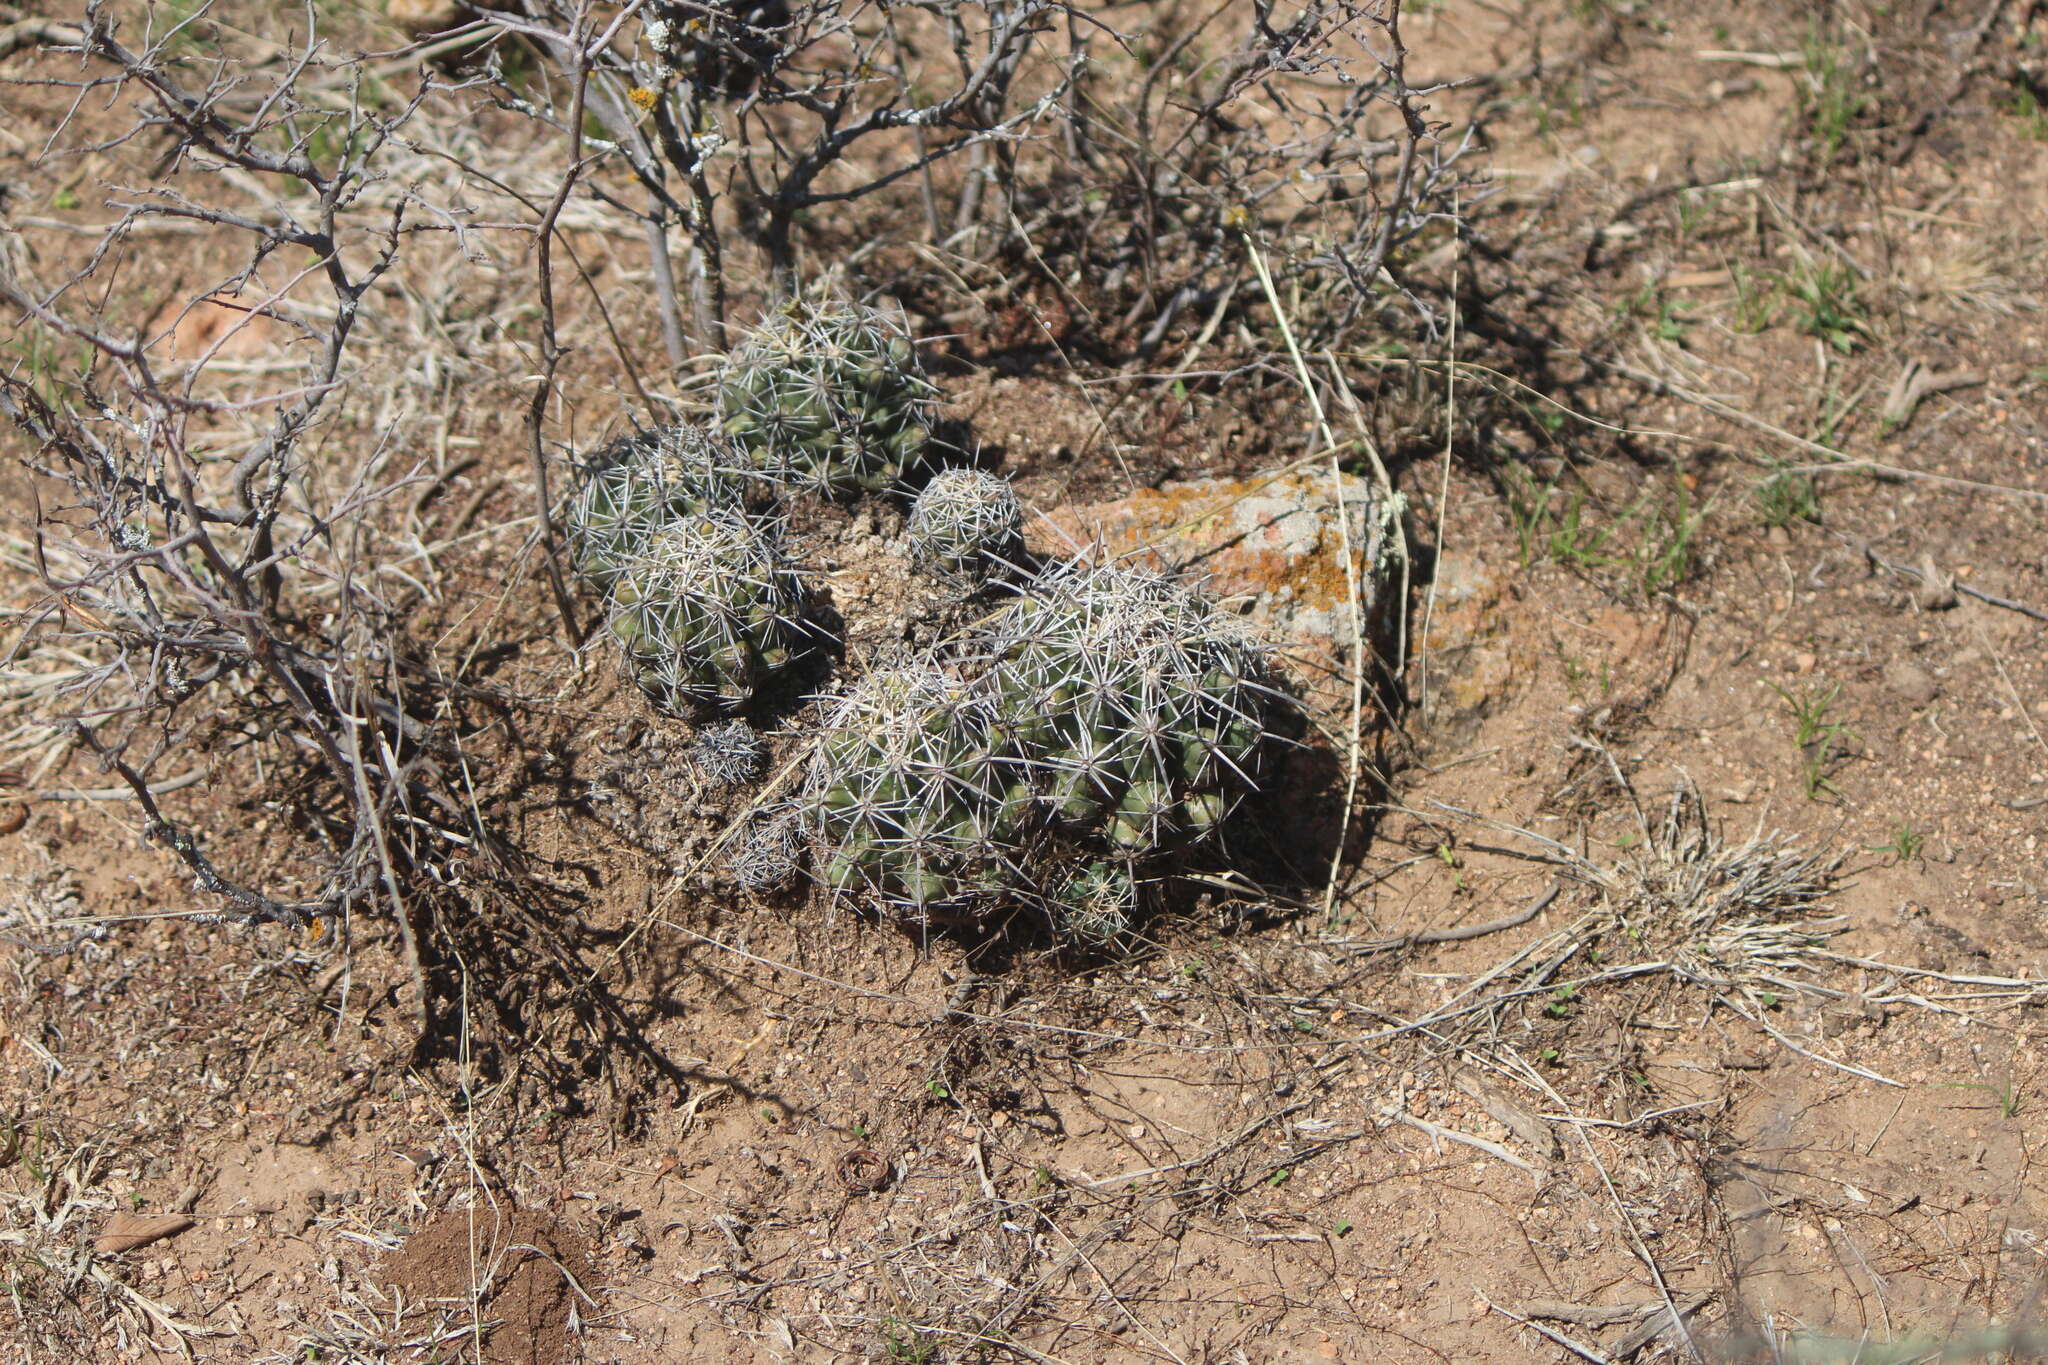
(739, 119)
(1121, 169)
(1302, 130)
(217, 555)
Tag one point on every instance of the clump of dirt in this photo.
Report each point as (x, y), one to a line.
(516, 1265)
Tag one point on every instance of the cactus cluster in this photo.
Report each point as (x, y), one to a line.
(1059, 754)
(828, 396)
(681, 530)
(966, 524)
(1106, 721)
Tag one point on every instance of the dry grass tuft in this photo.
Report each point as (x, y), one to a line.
(372, 1326)
(1726, 916)
(57, 1294)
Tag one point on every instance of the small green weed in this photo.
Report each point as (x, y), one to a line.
(2026, 106)
(1756, 300)
(1659, 310)
(1824, 299)
(1669, 547)
(1784, 498)
(38, 356)
(2006, 1097)
(1826, 303)
(1832, 99)
(1574, 541)
(1577, 675)
(1822, 739)
(904, 1342)
(181, 35)
(1905, 845)
(335, 149)
(1654, 540)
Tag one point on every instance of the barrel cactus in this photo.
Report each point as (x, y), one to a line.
(708, 610)
(829, 397)
(966, 524)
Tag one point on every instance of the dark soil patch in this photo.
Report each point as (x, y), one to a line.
(516, 1264)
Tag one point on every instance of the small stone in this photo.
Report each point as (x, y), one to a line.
(1911, 682)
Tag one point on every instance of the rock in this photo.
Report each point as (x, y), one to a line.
(1473, 656)
(1911, 682)
(1273, 546)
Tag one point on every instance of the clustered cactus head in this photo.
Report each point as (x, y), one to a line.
(708, 610)
(640, 483)
(728, 754)
(1099, 902)
(1144, 709)
(769, 852)
(909, 800)
(1107, 721)
(829, 397)
(966, 524)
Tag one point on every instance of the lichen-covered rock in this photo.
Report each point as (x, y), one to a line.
(1275, 546)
